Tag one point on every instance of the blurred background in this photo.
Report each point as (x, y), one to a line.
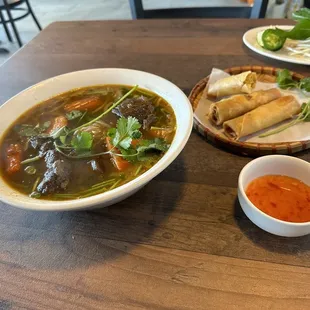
(49, 11)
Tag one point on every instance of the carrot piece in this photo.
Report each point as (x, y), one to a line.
(86, 104)
(59, 122)
(13, 158)
(135, 142)
(120, 163)
(159, 133)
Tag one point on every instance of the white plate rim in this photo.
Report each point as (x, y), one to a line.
(254, 31)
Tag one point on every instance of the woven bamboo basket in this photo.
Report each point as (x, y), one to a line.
(265, 74)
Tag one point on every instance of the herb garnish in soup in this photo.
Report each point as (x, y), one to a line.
(86, 141)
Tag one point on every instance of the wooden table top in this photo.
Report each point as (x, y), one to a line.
(182, 242)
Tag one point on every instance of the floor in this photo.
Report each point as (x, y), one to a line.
(49, 11)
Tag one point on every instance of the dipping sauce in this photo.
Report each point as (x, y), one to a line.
(281, 197)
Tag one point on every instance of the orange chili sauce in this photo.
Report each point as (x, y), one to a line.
(281, 197)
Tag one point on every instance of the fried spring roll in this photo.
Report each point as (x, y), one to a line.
(234, 84)
(262, 117)
(237, 105)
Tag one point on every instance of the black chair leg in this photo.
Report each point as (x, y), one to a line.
(6, 29)
(11, 20)
(32, 14)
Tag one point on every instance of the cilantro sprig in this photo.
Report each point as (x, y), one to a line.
(126, 131)
(25, 130)
(285, 81)
(122, 137)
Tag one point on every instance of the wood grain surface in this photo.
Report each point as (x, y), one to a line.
(182, 242)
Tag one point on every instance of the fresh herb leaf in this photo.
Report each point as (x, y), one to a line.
(111, 132)
(145, 150)
(116, 138)
(303, 13)
(82, 142)
(305, 112)
(132, 125)
(304, 84)
(121, 126)
(285, 80)
(108, 110)
(301, 31)
(125, 143)
(126, 130)
(63, 139)
(156, 144)
(25, 130)
(73, 115)
(129, 154)
(136, 134)
(63, 131)
(274, 39)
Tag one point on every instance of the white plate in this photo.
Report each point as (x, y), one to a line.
(249, 39)
(28, 98)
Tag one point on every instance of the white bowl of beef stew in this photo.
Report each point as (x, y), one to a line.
(89, 138)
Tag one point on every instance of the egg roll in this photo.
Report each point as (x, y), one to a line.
(234, 84)
(262, 117)
(237, 105)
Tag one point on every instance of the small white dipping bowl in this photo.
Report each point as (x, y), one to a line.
(28, 98)
(276, 165)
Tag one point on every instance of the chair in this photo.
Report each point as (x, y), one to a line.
(7, 6)
(258, 10)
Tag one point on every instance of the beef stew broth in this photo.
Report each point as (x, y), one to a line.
(74, 145)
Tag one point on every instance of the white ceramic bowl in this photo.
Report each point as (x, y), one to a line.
(25, 100)
(278, 165)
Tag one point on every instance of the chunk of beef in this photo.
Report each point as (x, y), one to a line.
(51, 156)
(139, 107)
(57, 176)
(41, 144)
(97, 165)
(46, 147)
(36, 142)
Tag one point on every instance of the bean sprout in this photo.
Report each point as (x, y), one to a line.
(299, 48)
